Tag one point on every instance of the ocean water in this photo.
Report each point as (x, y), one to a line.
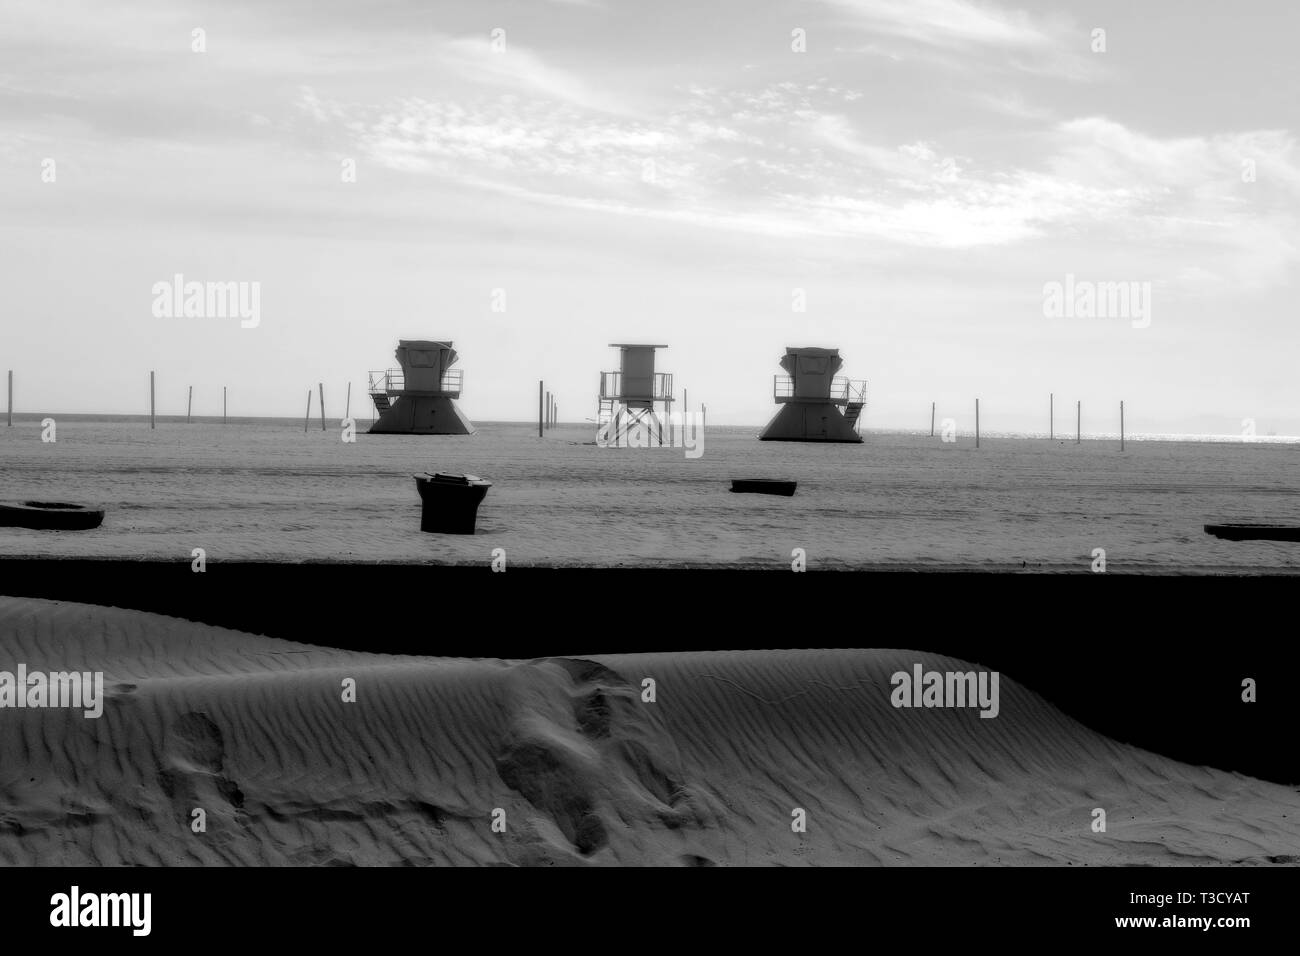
(265, 490)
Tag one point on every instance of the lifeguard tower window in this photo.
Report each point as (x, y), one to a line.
(813, 364)
(422, 359)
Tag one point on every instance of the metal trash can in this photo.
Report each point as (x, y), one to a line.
(449, 503)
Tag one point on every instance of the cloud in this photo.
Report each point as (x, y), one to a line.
(1189, 193)
(788, 160)
(971, 38)
(1012, 104)
(913, 165)
(948, 23)
(1106, 150)
(514, 67)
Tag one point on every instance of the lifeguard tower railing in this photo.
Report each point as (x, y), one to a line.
(393, 380)
(611, 388)
(844, 391)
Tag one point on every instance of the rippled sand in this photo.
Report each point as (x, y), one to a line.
(571, 757)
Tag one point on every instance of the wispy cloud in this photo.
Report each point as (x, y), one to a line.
(515, 67)
(977, 38)
(788, 160)
(948, 23)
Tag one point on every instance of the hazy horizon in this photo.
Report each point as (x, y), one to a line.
(1104, 431)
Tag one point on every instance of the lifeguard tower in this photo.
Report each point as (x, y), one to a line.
(816, 405)
(417, 399)
(628, 397)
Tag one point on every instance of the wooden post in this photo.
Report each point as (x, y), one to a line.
(977, 423)
(189, 406)
(1078, 426)
(307, 420)
(704, 415)
(223, 404)
(541, 394)
(11, 397)
(347, 409)
(151, 403)
(932, 419)
(1051, 415)
(322, 406)
(1121, 425)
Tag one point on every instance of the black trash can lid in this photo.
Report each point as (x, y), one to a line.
(446, 479)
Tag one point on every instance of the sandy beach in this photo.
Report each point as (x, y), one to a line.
(267, 491)
(419, 420)
(255, 732)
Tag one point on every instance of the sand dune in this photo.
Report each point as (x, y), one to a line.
(254, 732)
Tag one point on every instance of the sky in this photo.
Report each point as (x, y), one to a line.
(903, 180)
